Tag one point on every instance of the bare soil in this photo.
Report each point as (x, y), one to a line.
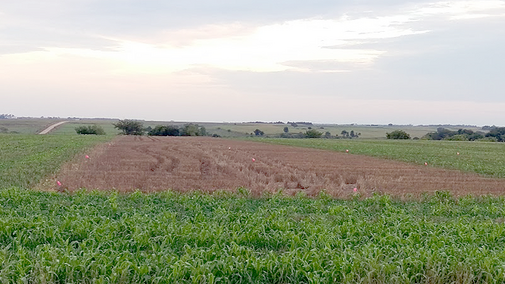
(203, 163)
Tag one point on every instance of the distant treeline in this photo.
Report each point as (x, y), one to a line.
(173, 130)
(6, 116)
(496, 134)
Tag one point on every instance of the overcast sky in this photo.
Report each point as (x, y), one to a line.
(331, 61)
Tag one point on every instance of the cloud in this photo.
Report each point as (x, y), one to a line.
(249, 58)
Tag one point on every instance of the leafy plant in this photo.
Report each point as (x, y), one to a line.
(91, 129)
(398, 134)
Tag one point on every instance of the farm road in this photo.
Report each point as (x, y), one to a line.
(188, 163)
(47, 130)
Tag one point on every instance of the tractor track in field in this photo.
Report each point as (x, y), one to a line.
(208, 164)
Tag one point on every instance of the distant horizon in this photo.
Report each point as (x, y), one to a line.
(253, 122)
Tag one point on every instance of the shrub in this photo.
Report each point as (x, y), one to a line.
(312, 133)
(258, 132)
(90, 130)
(398, 134)
(498, 133)
(193, 130)
(164, 130)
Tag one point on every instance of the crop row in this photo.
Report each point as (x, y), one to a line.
(167, 237)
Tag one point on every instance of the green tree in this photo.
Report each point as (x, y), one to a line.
(130, 127)
(398, 134)
(312, 133)
(498, 133)
(190, 130)
(286, 129)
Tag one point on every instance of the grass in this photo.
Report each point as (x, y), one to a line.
(484, 158)
(27, 159)
(97, 237)
(27, 125)
(69, 127)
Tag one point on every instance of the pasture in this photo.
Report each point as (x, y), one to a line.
(27, 125)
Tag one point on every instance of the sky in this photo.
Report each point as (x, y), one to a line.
(324, 61)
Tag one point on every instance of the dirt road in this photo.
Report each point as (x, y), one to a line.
(47, 130)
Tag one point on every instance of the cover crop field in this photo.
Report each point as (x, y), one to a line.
(484, 158)
(27, 159)
(168, 237)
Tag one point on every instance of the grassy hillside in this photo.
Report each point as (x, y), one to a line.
(231, 238)
(480, 157)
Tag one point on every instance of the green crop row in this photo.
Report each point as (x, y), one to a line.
(97, 237)
(484, 158)
(26, 159)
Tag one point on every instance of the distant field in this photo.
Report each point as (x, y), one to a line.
(28, 126)
(69, 127)
(26, 159)
(479, 157)
(32, 126)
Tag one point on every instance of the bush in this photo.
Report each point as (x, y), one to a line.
(193, 130)
(498, 133)
(398, 134)
(130, 127)
(164, 130)
(90, 130)
(460, 135)
(258, 132)
(312, 133)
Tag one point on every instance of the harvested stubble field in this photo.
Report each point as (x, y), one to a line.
(188, 163)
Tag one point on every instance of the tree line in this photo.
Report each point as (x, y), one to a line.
(134, 127)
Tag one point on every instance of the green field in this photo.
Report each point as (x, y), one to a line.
(27, 159)
(230, 238)
(479, 157)
(69, 127)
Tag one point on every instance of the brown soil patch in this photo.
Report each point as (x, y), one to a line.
(203, 163)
